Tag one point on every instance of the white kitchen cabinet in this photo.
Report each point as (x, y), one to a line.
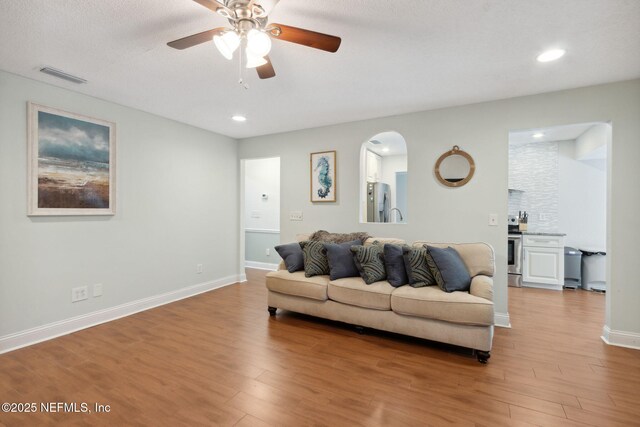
(543, 261)
(374, 167)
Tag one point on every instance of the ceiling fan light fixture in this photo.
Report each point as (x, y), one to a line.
(258, 42)
(227, 43)
(254, 61)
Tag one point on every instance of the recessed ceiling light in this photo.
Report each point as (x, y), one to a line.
(239, 118)
(551, 55)
(538, 135)
(385, 149)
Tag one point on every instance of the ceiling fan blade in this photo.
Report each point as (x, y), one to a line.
(212, 4)
(266, 71)
(306, 37)
(196, 39)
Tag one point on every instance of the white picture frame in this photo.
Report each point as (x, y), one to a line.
(323, 176)
(71, 163)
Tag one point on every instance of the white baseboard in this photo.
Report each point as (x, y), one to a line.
(261, 265)
(621, 338)
(242, 278)
(63, 327)
(502, 320)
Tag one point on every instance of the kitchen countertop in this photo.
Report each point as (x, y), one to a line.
(543, 233)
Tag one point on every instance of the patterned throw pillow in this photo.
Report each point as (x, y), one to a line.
(315, 258)
(370, 262)
(415, 261)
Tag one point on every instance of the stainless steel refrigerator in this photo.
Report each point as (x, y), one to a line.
(378, 202)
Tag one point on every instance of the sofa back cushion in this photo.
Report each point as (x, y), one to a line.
(382, 240)
(479, 258)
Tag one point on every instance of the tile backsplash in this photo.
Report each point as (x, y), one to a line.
(533, 169)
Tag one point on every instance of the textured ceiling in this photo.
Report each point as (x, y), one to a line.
(396, 56)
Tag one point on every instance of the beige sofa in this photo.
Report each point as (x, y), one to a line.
(459, 318)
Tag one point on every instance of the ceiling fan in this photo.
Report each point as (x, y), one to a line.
(251, 32)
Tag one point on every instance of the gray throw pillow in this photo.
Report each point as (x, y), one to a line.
(394, 264)
(340, 259)
(448, 269)
(291, 254)
(315, 258)
(370, 262)
(415, 262)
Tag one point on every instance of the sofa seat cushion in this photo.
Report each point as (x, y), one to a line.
(298, 285)
(354, 291)
(433, 303)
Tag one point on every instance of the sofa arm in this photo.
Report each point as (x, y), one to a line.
(281, 266)
(482, 286)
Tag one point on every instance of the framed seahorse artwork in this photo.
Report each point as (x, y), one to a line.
(323, 176)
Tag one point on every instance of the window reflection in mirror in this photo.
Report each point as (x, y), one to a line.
(383, 179)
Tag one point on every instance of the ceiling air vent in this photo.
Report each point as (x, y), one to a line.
(62, 75)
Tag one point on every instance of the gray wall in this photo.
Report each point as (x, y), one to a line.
(171, 181)
(256, 243)
(444, 214)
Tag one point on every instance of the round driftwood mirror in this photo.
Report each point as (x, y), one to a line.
(455, 167)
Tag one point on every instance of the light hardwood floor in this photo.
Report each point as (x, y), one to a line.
(219, 359)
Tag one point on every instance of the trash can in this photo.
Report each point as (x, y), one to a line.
(594, 270)
(572, 267)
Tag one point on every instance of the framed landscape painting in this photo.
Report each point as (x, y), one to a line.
(71, 169)
(323, 176)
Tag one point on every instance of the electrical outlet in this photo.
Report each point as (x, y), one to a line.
(543, 217)
(493, 220)
(295, 216)
(199, 268)
(255, 214)
(97, 290)
(268, 251)
(80, 293)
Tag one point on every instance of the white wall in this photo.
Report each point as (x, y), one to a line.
(582, 195)
(262, 176)
(177, 198)
(460, 214)
(262, 216)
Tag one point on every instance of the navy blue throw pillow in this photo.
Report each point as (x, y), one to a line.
(341, 262)
(394, 264)
(448, 269)
(291, 254)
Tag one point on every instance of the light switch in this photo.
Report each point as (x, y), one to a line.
(295, 216)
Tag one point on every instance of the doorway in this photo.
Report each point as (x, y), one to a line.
(260, 213)
(557, 202)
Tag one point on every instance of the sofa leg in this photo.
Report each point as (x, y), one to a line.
(483, 356)
(272, 311)
(360, 330)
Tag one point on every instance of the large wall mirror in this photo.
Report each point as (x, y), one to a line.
(383, 179)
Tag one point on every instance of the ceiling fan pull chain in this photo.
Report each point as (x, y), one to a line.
(241, 68)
